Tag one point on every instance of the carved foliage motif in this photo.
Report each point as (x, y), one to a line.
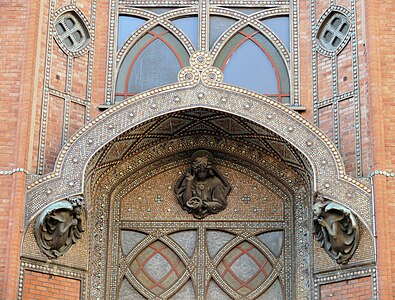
(336, 229)
(59, 227)
(202, 190)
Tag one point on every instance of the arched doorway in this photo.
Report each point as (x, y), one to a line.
(252, 138)
(155, 250)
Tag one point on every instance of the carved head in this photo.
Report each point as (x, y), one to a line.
(59, 226)
(201, 164)
(318, 208)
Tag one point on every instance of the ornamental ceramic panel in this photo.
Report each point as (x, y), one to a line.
(244, 268)
(157, 268)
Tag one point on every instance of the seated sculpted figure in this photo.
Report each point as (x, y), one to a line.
(202, 190)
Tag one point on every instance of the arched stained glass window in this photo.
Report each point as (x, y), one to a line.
(153, 61)
(251, 61)
(255, 56)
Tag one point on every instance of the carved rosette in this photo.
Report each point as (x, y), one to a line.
(336, 229)
(200, 69)
(59, 226)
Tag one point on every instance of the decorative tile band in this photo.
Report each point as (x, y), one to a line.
(10, 172)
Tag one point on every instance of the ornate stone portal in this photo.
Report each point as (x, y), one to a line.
(202, 190)
(164, 144)
(59, 227)
(336, 229)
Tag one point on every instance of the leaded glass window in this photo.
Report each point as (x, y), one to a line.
(250, 45)
(153, 61)
(251, 61)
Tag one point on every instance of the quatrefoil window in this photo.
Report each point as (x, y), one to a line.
(72, 32)
(334, 31)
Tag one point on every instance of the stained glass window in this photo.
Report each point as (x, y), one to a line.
(255, 58)
(153, 61)
(251, 61)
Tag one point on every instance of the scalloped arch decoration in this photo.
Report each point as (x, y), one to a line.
(329, 174)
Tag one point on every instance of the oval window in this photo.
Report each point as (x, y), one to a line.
(72, 32)
(334, 31)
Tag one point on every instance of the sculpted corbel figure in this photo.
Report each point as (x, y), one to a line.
(202, 190)
(336, 229)
(59, 227)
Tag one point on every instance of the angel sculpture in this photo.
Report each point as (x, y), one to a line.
(336, 229)
(59, 227)
(202, 190)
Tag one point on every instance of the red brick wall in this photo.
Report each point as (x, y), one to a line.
(40, 286)
(54, 131)
(17, 68)
(380, 44)
(354, 289)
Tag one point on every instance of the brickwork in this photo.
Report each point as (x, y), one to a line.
(101, 42)
(17, 66)
(58, 69)
(41, 286)
(344, 70)
(354, 289)
(326, 121)
(54, 131)
(347, 135)
(305, 61)
(77, 114)
(380, 42)
(80, 76)
(324, 77)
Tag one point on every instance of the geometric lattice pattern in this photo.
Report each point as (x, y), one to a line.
(244, 268)
(157, 267)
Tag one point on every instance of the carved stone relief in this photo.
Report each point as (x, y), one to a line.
(202, 190)
(336, 229)
(59, 227)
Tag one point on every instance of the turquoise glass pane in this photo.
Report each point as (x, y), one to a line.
(249, 67)
(155, 66)
(127, 25)
(189, 26)
(280, 26)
